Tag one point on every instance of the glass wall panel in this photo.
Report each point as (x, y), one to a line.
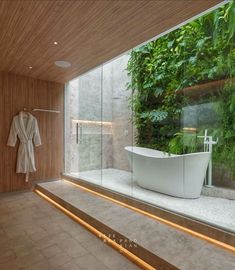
(71, 136)
(208, 114)
(183, 105)
(117, 126)
(157, 106)
(83, 126)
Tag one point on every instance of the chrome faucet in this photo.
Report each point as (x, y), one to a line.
(208, 147)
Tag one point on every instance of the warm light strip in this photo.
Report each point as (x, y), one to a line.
(190, 129)
(92, 122)
(99, 234)
(162, 220)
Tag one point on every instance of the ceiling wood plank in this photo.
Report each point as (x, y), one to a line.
(89, 33)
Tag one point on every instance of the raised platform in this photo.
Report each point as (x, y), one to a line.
(161, 245)
(218, 211)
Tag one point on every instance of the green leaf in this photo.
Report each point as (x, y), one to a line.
(158, 91)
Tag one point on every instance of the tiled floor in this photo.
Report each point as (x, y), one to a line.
(178, 248)
(216, 211)
(34, 235)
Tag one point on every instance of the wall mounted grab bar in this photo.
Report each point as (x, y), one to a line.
(80, 133)
(77, 133)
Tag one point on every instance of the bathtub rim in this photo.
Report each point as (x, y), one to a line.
(166, 156)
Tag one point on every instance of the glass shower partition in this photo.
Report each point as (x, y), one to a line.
(84, 126)
(117, 127)
(99, 126)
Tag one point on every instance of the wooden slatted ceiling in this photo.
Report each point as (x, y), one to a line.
(89, 32)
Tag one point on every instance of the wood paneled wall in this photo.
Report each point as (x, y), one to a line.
(17, 92)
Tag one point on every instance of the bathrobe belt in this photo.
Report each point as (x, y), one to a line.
(27, 142)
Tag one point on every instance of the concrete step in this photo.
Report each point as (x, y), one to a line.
(191, 222)
(155, 243)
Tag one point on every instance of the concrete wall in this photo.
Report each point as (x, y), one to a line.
(122, 114)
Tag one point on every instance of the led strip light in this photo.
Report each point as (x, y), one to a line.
(99, 234)
(92, 122)
(162, 220)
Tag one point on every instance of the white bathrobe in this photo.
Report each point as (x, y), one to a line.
(25, 126)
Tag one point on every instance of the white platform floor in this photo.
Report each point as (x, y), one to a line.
(216, 211)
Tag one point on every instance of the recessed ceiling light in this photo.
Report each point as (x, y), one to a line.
(30, 67)
(55, 42)
(63, 64)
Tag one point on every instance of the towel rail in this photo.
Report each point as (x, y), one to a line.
(43, 110)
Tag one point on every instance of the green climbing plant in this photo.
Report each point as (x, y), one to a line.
(224, 152)
(199, 52)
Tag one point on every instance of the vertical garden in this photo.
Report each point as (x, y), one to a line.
(183, 83)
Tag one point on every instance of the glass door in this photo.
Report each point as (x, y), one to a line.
(117, 128)
(83, 151)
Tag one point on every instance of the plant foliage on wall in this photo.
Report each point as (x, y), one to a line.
(224, 152)
(196, 53)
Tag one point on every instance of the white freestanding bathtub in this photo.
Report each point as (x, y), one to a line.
(175, 175)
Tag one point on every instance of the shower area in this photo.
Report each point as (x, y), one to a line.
(98, 126)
